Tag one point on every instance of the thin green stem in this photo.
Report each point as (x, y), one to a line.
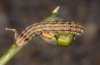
(9, 54)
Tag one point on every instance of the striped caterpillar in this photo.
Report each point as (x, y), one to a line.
(40, 28)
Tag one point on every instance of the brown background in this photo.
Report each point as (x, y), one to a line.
(19, 14)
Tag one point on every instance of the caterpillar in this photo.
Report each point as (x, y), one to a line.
(40, 28)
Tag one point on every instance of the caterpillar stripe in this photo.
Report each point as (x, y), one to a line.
(39, 28)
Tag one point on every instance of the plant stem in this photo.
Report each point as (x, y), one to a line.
(9, 54)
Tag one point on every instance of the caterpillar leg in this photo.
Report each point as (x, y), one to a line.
(16, 35)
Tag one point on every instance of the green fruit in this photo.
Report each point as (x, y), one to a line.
(65, 40)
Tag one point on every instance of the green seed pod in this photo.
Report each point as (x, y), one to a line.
(65, 40)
